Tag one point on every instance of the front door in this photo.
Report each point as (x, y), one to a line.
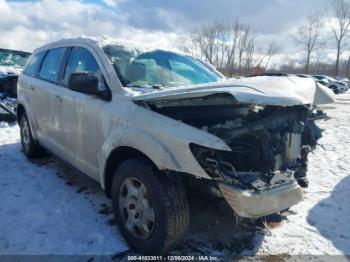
(76, 115)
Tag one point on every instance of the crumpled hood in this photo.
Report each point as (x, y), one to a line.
(262, 90)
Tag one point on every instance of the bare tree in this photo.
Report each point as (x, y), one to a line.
(205, 37)
(250, 55)
(348, 67)
(244, 40)
(272, 49)
(340, 12)
(235, 30)
(209, 41)
(241, 47)
(308, 37)
(188, 44)
(231, 47)
(263, 55)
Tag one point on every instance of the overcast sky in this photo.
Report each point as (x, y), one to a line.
(29, 24)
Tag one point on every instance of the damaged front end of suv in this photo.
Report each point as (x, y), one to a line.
(268, 131)
(268, 157)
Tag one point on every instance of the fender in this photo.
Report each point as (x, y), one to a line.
(161, 154)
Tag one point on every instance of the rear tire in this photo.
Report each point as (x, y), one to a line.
(165, 204)
(30, 147)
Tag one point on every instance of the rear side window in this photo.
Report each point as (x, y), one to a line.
(51, 64)
(81, 60)
(33, 64)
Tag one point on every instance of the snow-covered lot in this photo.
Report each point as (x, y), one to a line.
(47, 208)
(320, 224)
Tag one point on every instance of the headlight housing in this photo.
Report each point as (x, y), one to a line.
(212, 162)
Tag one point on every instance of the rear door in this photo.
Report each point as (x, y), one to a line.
(76, 114)
(26, 91)
(41, 88)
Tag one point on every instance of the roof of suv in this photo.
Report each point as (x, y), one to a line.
(103, 41)
(67, 42)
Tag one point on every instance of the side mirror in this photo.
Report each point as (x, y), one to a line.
(84, 82)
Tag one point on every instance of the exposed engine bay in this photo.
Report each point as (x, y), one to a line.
(270, 144)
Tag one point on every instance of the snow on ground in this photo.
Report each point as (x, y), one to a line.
(46, 208)
(320, 224)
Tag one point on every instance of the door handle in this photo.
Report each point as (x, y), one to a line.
(57, 98)
(32, 88)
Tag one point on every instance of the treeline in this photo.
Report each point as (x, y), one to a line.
(235, 48)
(232, 48)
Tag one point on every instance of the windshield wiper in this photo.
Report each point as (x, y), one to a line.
(137, 86)
(158, 86)
(147, 86)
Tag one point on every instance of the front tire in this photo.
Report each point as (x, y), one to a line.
(151, 209)
(30, 147)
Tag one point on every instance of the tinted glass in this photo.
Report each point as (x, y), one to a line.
(34, 64)
(51, 64)
(187, 72)
(81, 60)
(158, 68)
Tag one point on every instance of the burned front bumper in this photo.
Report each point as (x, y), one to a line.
(251, 204)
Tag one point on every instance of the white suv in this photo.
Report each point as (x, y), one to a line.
(146, 124)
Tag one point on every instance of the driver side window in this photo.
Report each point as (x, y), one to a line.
(81, 60)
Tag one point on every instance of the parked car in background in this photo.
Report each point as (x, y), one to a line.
(322, 79)
(271, 74)
(11, 64)
(147, 124)
(343, 79)
(336, 85)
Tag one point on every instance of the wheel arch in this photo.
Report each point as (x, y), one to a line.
(115, 158)
(20, 111)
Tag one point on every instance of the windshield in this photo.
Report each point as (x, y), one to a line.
(13, 58)
(158, 68)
